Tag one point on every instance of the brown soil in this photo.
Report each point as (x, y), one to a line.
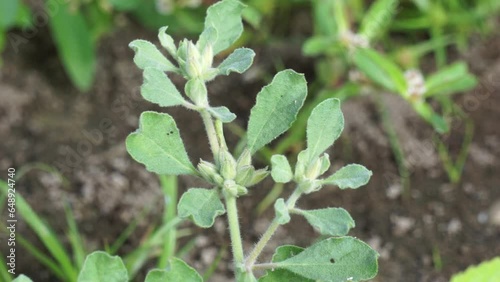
(439, 230)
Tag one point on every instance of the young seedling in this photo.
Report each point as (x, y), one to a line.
(158, 145)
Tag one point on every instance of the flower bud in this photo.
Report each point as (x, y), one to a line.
(258, 176)
(209, 172)
(230, 188)
(244, 175)
(193, 61)
(314, 169)
(196, 90)
(227, 165)
(207, 58)
(245, 158)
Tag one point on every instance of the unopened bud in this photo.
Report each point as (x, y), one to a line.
(207, 57)
(230, 188)
(244, 175)
(245, 158)
(258, 176)
(193, 61)
(227, 165)
(314, 169)
(209, 172)
(196, 90)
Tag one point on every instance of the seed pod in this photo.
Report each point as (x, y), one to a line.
(227, 165)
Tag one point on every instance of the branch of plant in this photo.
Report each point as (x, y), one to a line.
(259, 247)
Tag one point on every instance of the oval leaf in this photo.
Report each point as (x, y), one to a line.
(282, 275)
(329, 221)
(280, 169)
(101, 267)
(158, 89)
(282, 214)
(324, 126)
(148, 56)
(157, 144)
(239, 61)
(201, 205)
(276, 108)
(335, 260)
(222, 113)
(225, 18)
(350, 176)
(177, 270)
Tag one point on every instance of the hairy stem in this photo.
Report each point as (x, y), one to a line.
(259, 247)
(234, 230)
(211, 132)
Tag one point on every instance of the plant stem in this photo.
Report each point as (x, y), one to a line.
(259, 247)
(169, 187)
(234, 230)
(219, 130)
(211, 132)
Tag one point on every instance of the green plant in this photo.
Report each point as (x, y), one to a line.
(487, 271)
(357, 60)
(157, 144)
(65, 263)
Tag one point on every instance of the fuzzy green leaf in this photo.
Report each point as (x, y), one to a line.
(225, 17)
(167, 41)
(177, 270)
(380, 69)
(280, 169)
(282, 214)
(101, 267)
(329, 221)
(350, 176)
(324, 126)
(158, 89)
(22, 278)
(488, 271)
(282, 275)
(450, 80)
(74, 42)
(201, 205)
(157, 144)
(334, 260)
(148, 56)
(276, 108)
(239, 61)
(222, 113)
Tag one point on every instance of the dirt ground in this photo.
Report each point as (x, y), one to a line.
(438, 230)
